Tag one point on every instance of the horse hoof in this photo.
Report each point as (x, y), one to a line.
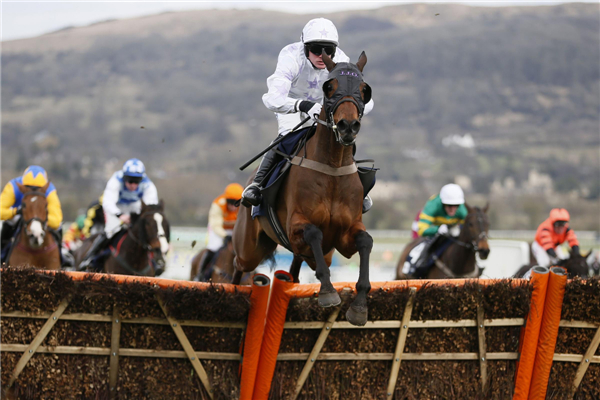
(329, 299)
(357, 316)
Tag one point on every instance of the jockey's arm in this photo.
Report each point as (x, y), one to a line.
(427, 227)
(279, 84)
(7, 199)
(572, 238)
(369, 107)
(111, 197)
(215, 220)
(55, 215)
(150, 195)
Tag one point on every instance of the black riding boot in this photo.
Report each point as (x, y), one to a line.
(251, 195)
(99, 242)
(202, 271)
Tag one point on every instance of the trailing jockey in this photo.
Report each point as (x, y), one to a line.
(295, 91)
(441, 216)
(221, 219)
(123, 195)
(10, 203)
(552, 233)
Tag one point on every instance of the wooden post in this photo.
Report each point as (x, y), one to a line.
(400, 343)
(482, 347)
(39, 338)
(585, 362)
(189, 350)
(314, 354)
(115, 339)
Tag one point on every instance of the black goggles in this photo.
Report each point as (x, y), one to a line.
(318, 48)
(560, 223)
(231, 201)
(133, 179)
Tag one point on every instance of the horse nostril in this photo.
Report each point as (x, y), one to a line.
(342, 125)
(355, 127)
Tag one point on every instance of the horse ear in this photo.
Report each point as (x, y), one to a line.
(487, 206)
(469, 208)
(328, 62)
(45, 187)
(22, 188)
(143, 207)
(161, 204)
(362, 60)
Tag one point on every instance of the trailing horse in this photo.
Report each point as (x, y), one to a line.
(458, 260)
(34, 245)
(319, 204)
(575, 265)
(141, 248)
(220, 268)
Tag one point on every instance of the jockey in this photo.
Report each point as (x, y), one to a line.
(295, 91)
(10, 203)
(221, 219)
(123, 195)
(94, 218)
(75, 235)
(442, 215)
(550, 234)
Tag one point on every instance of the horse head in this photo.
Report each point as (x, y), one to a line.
(475, 230)
(34, 211)
(345, 97)
(156, 233)
(576, 264)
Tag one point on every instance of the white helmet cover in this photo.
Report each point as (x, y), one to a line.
(319, 30)
(452, 194)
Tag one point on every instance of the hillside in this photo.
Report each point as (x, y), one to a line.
(182, 91)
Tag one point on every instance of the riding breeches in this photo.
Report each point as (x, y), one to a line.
(113, 223)
(287, 122)
(542, 257)
(214, 241)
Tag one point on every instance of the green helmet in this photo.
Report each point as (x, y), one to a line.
(80, 221)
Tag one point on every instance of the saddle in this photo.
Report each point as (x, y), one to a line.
(289, 148)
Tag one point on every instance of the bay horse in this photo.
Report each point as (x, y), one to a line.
(458, 260)
(319, 211)
(35, 245)
(141, 249)
(222, 265)
(575, 265)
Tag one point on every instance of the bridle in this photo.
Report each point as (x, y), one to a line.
(330, 123)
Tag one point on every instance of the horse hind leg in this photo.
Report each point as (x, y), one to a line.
(328, 296)
(358, 313)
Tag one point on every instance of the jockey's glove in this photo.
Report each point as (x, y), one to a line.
(443, 229)
(311, 108)
(454, 231)
(575, 250)
(552, 253)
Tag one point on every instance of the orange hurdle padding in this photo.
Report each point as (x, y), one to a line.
(160, 282)
(531, 332)
(548, 333)
(278, 305)
(259, 299)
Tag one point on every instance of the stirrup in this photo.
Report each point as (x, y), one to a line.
(251, 196)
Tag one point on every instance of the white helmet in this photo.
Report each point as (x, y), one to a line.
(452, 194)
(319, 30)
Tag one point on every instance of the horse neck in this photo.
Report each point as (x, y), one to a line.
(137, 252)
(460, 259)
(325, 149)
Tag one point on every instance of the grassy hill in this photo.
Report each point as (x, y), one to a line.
(182, 91)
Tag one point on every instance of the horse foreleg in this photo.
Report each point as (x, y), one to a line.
(237, 277)
(295, 268)
(328, 296)
(358, 313)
